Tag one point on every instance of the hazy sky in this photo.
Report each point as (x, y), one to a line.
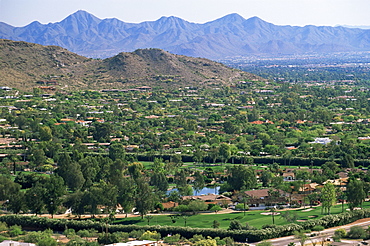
(280, 12)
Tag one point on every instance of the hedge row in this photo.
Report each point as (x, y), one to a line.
(294, 161)
(42, 223)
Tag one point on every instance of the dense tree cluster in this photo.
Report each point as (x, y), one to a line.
(81, 150)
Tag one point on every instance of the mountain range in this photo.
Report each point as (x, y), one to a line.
(231, 35)
(26, 65)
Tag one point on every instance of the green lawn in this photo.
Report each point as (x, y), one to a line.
(206, 220)
(253, 218)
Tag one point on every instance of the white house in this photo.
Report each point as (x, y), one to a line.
(14, 243)
(322, 141)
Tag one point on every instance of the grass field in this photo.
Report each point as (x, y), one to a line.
(253, 218)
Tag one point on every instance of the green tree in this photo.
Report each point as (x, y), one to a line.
(7, 188)
(348, 161)
(35, 198)
(177, 160)
(198, 155)
(215, 224)
(144, 199)
(356, 232)
(243, 198)
(15, 230)
(135, 170)
(126, 193)
(110, 198)
(70, 171)
(197, 206)
(235, 225)
(174, 196)
(290, 216)
(47, 241)
(54, 190)
(355, 193)
(158, 165)
(116, 170)
(93, 198)
(14, 158)
(45, 133)
(102, 131)
(224, 152)
(230, 127)
(190, 125)
(150, 235)
(206, 242)
(241, 177)
(37, 157)
(216, 208)
(330, 168)
(198, 181)
(74, 178)
(116, 151)
(90, 169)
(328, 196)
(77, 202)
(16, 202)
(159, 181)
(266, 178)
(340, 233)
(149, 218)
(104, 194)
(301, 236)
(181, 182)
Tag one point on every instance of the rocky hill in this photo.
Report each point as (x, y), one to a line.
(231, 35)
(26, 65)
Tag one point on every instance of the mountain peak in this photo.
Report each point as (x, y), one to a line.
(170, 19)
(170, 22)
(256, 20)
(231, 18)
(82, 15)
(79, 22)
(34, 24)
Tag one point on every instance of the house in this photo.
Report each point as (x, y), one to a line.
(259, 122)
(64, 120)
(170, 204)
(47, 88)
(136, 243)
(151, 117)
(15, 243)
(144, 88)
(323, 141)
(5, 88)
(84, 122)
(210, 198)
(289, 176)
(364, 138)
(301, 121)
(308, 188)
(260, 199)
(262, 193)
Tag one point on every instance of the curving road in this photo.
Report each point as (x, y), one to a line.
(323, 235)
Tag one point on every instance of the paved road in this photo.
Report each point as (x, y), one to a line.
(327, 233)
